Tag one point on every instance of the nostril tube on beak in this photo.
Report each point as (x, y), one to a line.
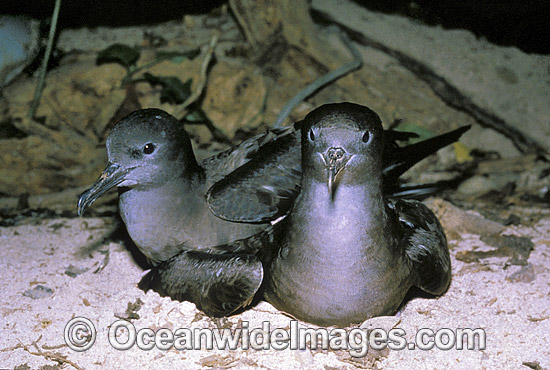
(335, 154)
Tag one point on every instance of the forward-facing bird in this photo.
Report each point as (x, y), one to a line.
(347, 250)
(266, 187)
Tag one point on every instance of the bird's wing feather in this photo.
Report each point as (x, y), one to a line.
(397, 160)
(223, 163)
(219, 284)
(264, 188)
(219, 280)
(425, 245)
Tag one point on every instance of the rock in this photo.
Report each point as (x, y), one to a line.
(38, 292)
(18, 45)
(477, 185)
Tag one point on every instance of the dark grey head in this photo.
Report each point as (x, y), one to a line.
(145, 149)
(342, 143)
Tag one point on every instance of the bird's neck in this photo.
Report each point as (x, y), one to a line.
(366, 198)
(355, 211)
(179, 196)
(150, 215)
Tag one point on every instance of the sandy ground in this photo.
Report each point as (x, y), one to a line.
(509, 302)
(57, 269)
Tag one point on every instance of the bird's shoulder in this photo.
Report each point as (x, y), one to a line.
(227, 161)
(264, 187)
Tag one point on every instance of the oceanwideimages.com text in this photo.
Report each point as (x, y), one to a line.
(80, 335)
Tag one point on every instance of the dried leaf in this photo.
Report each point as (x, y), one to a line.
(173, 90)
(118, 53)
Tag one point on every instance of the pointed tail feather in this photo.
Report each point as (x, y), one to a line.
(400, 159)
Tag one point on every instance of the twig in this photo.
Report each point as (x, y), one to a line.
(330, 77)
(202, 78)
(12, 348)
(53, 357)
(62, 345)
(234, 5)
(44, 66)
(48, 355)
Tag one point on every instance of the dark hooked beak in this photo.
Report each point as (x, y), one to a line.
(335, 161)
(113, 175)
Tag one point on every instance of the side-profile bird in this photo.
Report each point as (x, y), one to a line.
(162, 202)
(162, 187)
(347, 250)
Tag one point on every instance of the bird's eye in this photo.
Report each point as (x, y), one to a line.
(311, 135)
(366, 137)
(148, 148)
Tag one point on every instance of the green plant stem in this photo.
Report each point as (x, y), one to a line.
(135, 69)
(330, 77)
(44, 66)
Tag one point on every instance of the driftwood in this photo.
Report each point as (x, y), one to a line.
(292, 20)
(447, 92)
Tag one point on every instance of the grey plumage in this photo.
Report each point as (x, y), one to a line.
(162, 203)
(198, 256)
(162, 187)
(346, 251)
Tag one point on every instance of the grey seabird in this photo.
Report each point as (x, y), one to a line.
(162, 203)
(346, 251)
(266, 187)
(162, 187)
(162, 200)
